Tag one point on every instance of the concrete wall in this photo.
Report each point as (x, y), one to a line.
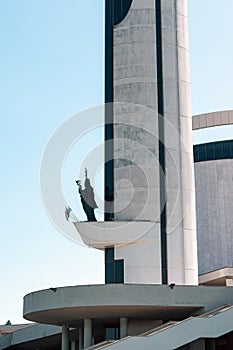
(181, 227)
(214, 194)
(136, 139)
(136, 145)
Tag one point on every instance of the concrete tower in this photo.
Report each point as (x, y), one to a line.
(149, 234)
(149, 150)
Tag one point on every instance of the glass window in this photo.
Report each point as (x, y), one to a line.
(112, 333)
(119, 271)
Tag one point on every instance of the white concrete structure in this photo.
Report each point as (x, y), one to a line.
(136, 311)
(214, 191)
(214, 194)
(136, 148)
(221, 277)
(101, 235)
(151, 299)
(153, 173)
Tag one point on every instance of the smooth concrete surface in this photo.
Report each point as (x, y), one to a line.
(80, 338)
(214, 193)
(229, 282)
(134, 241)
(87, 337)
(65, 338)
(208, 120)
(137, 182)
(141, 263)
(123, 327)
(73, 345)
(114, 301)
(102, 234)
(136, 139)
(180, 196)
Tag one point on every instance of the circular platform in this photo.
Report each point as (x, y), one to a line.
(71, 305)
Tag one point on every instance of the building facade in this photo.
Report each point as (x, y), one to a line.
(148, 133)
(214, 193)
(151, 299)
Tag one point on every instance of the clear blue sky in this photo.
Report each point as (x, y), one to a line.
(51, 67)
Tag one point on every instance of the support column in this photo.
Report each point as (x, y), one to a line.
(73, 345)
(65, 338)
(80, 339)
(229, 282)
(87, 333)
(123, 327)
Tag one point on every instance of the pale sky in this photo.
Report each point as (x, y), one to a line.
(51, 67)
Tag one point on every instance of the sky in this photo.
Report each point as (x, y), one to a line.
(51, 67)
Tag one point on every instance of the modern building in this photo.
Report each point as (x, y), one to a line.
(152, 298)
(148, 134)
(214, 194)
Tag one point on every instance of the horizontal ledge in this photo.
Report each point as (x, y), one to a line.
(102, 234)
(73, 304)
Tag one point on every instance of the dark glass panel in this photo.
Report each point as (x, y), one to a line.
(213, 151)
(119, 271)
(109, 272)
(121, 8)
(109, 254)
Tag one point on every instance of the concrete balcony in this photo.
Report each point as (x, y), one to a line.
(102, 234)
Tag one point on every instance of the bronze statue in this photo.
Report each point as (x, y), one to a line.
(87, 198)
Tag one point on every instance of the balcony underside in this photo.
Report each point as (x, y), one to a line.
(102, 234)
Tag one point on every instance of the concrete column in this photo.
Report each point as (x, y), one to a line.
(73, 345)
(65, 338)
(80, 339)
(87, 333)
(123, 327)
(229, 282)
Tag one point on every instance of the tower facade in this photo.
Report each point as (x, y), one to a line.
(148, 132)
(149, 233)
(213, 162)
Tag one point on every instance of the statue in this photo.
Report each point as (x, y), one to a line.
(87, 198)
